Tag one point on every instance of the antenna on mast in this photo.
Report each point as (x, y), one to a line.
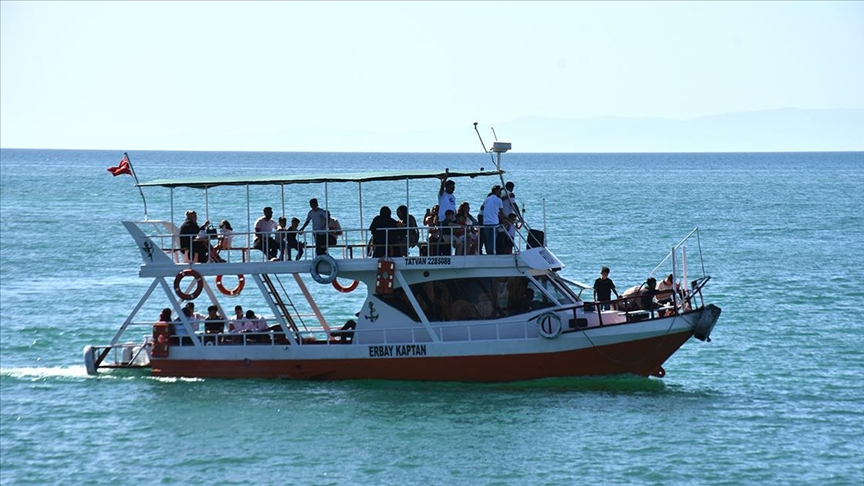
(484, 146)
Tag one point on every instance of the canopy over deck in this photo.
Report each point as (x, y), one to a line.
(307, 179)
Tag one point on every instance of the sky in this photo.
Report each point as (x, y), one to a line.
(246, 75)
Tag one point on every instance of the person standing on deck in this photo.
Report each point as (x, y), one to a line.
(603, 288)
(446, 198)
(509, 200)
(318, 217)
(383, 233)
(493, 215)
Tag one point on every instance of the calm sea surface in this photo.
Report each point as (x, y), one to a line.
(776, 398)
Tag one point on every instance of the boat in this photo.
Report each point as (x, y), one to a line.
(421, 313)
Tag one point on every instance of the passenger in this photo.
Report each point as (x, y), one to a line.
(447, 228)
(180, 329)
(334, 230)
(381, 237)
(256, 323)
(196, 318)
(318, 217)
(235, 325)
(214, 324)
(264, 226)
(191, 246)
(509, 200)
(665, 289)
(493, 215)
(603, 289)
(282, 236)
(646, 297)
(165, 316)
(412, 234)
(224, 241)
(292, 243)
(508, 236)
(446, 199)
(434, 237)
(466, 236)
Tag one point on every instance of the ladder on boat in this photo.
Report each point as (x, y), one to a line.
(279, 302)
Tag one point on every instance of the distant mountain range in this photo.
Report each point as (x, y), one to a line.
(781, 130)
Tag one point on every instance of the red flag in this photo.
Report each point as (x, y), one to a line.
(123, 168)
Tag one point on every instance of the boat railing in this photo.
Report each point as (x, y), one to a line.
(347, 243)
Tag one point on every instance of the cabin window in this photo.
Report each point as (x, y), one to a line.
(561, 295)
(478, 298)
(399, 301)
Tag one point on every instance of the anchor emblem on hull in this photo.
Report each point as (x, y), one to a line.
(373, 316)
(148, 249)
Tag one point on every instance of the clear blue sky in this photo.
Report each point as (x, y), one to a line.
(119, 75)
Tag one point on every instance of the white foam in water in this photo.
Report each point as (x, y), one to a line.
(46, 372)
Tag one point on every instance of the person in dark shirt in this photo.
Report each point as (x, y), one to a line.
(379, 227)
(646, 296)
(196, 250)
(604, 287)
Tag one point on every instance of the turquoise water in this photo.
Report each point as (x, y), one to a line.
(777, 397)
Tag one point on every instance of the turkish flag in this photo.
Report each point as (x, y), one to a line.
(123, 168)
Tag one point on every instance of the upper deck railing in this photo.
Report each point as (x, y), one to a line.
(346, 243)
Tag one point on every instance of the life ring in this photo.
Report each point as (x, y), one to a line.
(549, 325)
(345, 290)
(315, 270)
(241, 281)
(198, 280)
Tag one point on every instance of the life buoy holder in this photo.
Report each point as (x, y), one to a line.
(241, 282)
(345, 290)
(199, 281)
(315, 270)
(384, 280)
(549, 325)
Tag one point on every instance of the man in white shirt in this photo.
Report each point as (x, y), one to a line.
(264, 227)
(446, 198)
(493, 214)
(509, 200)
(235, 325)
(318, 217)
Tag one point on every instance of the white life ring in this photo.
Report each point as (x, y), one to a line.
(316, 271)
(549, 325)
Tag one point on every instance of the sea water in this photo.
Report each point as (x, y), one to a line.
(776, 397)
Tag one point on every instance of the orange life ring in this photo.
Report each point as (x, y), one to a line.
(241, 281)
(198, 280)
(347, 289)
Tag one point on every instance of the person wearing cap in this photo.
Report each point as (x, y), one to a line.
(264, 241)
(446, 198)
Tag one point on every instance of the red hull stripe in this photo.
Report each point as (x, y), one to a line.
(640, 357)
